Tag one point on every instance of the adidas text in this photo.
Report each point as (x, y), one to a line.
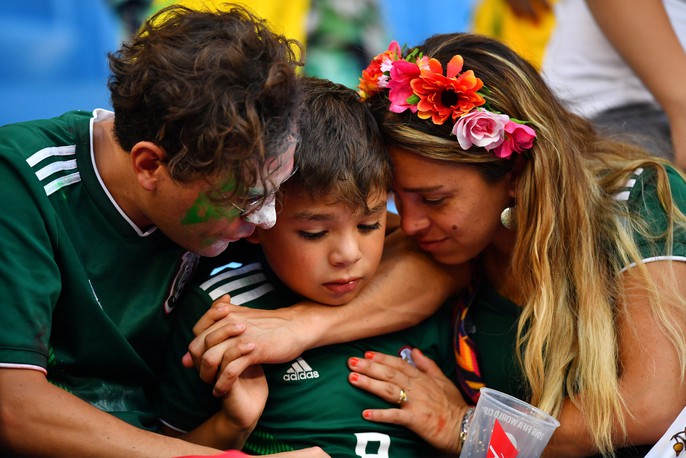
(300, 376)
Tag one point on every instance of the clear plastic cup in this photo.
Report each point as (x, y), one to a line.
(506, 427)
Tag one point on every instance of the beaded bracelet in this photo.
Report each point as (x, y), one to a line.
(464, 428)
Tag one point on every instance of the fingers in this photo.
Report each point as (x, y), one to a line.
(216, 312)
(425, 364)
(383, 381)
(228, 375)
(204, 343)
(219, 356)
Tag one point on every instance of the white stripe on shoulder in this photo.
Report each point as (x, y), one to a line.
(61, 182)
(244, 282)
(251, 295)
(630, 183)
(55, 167)
(231, 273)
(69, 150)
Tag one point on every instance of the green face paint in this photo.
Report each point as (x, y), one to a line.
(205, 209)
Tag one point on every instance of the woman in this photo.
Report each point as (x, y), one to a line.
(589, 246)
(574, 245)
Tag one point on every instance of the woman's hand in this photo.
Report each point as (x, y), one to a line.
(434, 407)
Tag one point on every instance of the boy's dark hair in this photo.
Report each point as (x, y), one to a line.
(216, 90)
(340, 153)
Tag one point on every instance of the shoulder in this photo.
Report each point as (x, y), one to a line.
(646, 202)
(243, 272)
(642, 194)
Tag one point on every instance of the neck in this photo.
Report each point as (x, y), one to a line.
(497, 261)
(114, 167)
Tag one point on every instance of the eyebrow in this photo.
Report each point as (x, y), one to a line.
(424, 188)
(307, 215)
(311, 216)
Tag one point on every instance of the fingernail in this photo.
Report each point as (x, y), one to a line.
(353, 361)
(354, 377)
(369, 355)
(367, 414)
(221, 308)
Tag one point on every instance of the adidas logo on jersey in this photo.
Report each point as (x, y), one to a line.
(299, 370)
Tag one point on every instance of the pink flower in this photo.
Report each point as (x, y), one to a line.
(518, 138)
(373, 74)
(401, 74)
(480, 128)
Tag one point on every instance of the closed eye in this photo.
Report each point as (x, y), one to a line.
(312, 235)
(369, 227)
(433, 200)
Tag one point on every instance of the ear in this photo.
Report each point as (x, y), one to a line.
(147, 160)
(512, 182)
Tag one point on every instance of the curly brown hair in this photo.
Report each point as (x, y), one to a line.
(216, 90)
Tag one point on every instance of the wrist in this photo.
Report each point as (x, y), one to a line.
(316, 323)
(464, 426)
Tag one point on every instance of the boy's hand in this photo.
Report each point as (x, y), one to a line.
(244, 403)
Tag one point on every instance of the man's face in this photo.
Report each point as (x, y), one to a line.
(196, 222)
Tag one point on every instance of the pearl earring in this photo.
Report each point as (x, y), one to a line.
(508, 219)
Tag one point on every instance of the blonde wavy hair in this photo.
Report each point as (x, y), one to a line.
(574, 237)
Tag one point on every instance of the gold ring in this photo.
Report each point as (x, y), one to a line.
(402, 399)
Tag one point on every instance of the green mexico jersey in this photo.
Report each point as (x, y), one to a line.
(86, 294)
(311, 402)
(494, 318)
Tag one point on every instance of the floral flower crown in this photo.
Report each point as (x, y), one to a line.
(417, 83)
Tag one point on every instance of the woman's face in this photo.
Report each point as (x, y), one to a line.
(452, 211)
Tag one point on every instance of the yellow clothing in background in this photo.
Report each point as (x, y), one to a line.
(495, 19)
(288, 18)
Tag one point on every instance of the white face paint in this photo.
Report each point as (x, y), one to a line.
(265, 217)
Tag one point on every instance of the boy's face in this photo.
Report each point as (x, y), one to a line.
(322, 250)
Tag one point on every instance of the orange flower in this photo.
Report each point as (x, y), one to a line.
(374, 75)
(446, 96)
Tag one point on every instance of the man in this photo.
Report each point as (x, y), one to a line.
(105, 216)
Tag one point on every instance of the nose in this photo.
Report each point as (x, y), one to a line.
(412, 219)
(264, 217)
(345, 251)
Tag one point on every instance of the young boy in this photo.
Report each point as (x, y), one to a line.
(325, 247)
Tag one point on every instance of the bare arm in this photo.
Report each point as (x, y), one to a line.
(39, 419)
(60, 424)
(408, 287)
(651, 381)
(643, 35)
(650, 384)
(530, 9)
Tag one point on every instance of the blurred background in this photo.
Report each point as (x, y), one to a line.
(53, 52)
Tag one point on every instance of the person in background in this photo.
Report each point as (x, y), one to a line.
(572, 246)
(325, 247)
(105, 216)
(523, 25)
(628, 84)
